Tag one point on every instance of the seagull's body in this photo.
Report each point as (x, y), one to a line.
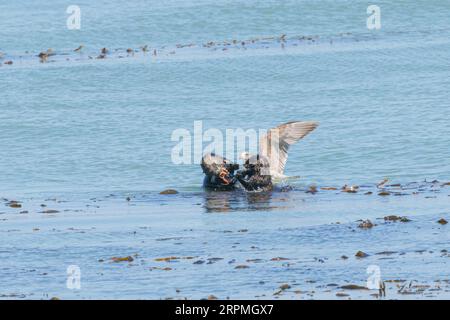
(270, 163)
(254, 177)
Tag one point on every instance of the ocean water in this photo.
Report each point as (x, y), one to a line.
(77, 128)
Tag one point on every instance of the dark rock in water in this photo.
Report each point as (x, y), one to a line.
(14, 204)
(442, 221)
(361, 254)
(341, 294)
(285, 286)
(353, 287)
(344, 257)
(169, 191)
(9, 62)
(384, 193)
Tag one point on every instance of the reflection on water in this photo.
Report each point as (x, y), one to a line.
(215, 201)
(289, 197)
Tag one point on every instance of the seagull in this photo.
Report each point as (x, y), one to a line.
(274, 145)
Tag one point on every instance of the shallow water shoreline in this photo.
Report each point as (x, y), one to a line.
(197, 245)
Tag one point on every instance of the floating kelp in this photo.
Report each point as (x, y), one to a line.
(122, 259)
(187, 50)
(396, 218)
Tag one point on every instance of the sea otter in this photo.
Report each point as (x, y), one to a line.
(261, 169)
(219, 172)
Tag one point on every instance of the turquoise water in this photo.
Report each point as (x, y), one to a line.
(382, 102)
(75, 128)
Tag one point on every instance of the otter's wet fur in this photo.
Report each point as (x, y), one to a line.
(213, 167)
(256, 174)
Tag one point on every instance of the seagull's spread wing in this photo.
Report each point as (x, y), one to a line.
(275, 144)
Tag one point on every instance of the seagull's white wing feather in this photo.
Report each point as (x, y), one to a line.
(275, 144)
